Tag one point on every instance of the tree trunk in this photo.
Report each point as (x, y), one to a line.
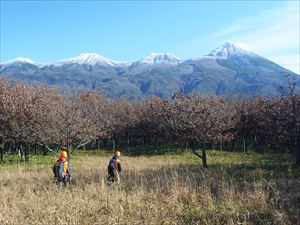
(232, 146)
(114, 145)
(45, 150)
(255, 143)
(225, 145)
(203, 150)
(181, 145)
(195, 149)
(27, 150)
(69, 150)
(244, 145)
(20, 151)
(297, 152)
(128, 146)
(1, 150)
(10, 147)
(20, 154)
(143, 143)
(221, 145)
(204, 160)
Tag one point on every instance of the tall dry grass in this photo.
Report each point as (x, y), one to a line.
(153, 190)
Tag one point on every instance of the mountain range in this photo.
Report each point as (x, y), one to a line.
(231, 69)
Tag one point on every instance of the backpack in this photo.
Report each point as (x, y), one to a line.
(58, 170)
(112, 164)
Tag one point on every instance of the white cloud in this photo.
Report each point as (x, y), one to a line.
(273, 34)
(283, 34)
(291, 62)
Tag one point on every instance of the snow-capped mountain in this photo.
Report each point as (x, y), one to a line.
(160, 58)
(231, 69)
(21, 60)
(88, 59)
(228, 49)
(153, 60)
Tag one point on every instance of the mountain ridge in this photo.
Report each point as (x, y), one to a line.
(231, 69)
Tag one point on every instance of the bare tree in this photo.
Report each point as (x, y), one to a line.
(202, 120)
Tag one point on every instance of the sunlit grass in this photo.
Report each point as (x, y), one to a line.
(164, 189)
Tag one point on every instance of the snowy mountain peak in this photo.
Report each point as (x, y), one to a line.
(88, 59)
(21, 60)
(229, 48)
(160, 58)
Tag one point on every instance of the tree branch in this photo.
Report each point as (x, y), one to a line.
(196, 153)
(80, 145)
(48, 148)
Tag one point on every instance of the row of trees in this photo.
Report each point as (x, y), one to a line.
(38, 115)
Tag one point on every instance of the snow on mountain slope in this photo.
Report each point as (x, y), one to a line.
(228, 49)
(160, 58)
(88, 59)
(21, 60)
(231, 69)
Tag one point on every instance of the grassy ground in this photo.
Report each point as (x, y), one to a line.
(165, 189)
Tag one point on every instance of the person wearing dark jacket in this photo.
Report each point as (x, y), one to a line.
(61, 169)
(114, 167)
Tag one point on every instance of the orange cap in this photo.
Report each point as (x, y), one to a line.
(117, 153)
(64, 154)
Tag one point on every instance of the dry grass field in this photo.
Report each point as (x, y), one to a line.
(168, 189)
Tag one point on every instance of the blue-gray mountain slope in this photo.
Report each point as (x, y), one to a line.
(228, 70)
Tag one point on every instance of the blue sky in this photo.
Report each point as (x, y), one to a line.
(129, 30)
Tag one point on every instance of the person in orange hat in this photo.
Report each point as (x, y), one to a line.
(114, 167)
(61, 169)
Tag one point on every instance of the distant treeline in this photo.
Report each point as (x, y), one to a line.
(42, 118)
